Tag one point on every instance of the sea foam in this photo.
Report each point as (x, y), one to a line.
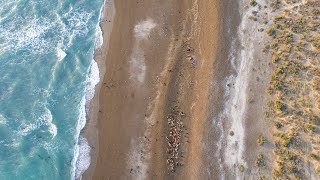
(60, 54)
(92, 80)
(99, 38)
(44, 120)
(82, 159)
(2, 120)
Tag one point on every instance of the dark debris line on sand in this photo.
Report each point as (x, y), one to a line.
(174, 140)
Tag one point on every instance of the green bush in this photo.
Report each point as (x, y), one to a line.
(276, 174)
(275, 59)
(310, 128)
(271, 31)
(274, 45)
(261, 140)
(266, 114)
(253, 3)
(286, 141)
(315, 12)
(241, 168)
(316, 44)
(278, 125)
(260, 162)
(275, 4)
(317, 169)
(314, 119)
(279, 106)
(263, 178)
(314, 157)
(253, 18)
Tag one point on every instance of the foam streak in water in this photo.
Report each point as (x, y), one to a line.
(81, 161)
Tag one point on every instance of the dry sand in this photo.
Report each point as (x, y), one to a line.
(159, 105)
(149, 71)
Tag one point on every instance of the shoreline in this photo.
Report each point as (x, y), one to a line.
(83, 151)
(150, 80)
(90, 131)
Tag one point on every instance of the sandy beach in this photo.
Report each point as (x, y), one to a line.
(175, 92)
(159, 62)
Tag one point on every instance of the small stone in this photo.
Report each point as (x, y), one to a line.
(231, 133)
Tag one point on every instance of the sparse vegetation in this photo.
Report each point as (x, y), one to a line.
(253, 3)
(279, 106)
(278, 125)
(261, 140)
(314, 157)
(271, 31)
(310, 128)
(241, 168)
(275, 4)
(263, 178)
(260, 162)
(294, 87)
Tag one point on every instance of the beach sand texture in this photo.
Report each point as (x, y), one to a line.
(173, 73)
(155, 67)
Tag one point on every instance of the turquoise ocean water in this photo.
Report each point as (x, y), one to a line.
(47, 73)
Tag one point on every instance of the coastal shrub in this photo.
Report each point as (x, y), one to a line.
(261, 140)
(315, 12)
(253, 18)
(281, 166)
(314, 157)
(265, 48)
(310, 128)
(317, 169)
(316, 43)
(288, 48)
(280, 70)
(241, 168)
(286, 141)
(279, 150)
(275, 59)
(260, 162)
(288, 39)
(263, 178)
(278, 18)
(279, 106)
(276, 4)
(270, 103)
(266, 114)
(255, 13)
(269, 90)
(278, 125)
(271, 31)
(277, 26)
(276, 174)
(250, 100)
(253, 3)
(300, 21)
(314, 119)
(277, 85)
(274, 45)
(277, 144)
